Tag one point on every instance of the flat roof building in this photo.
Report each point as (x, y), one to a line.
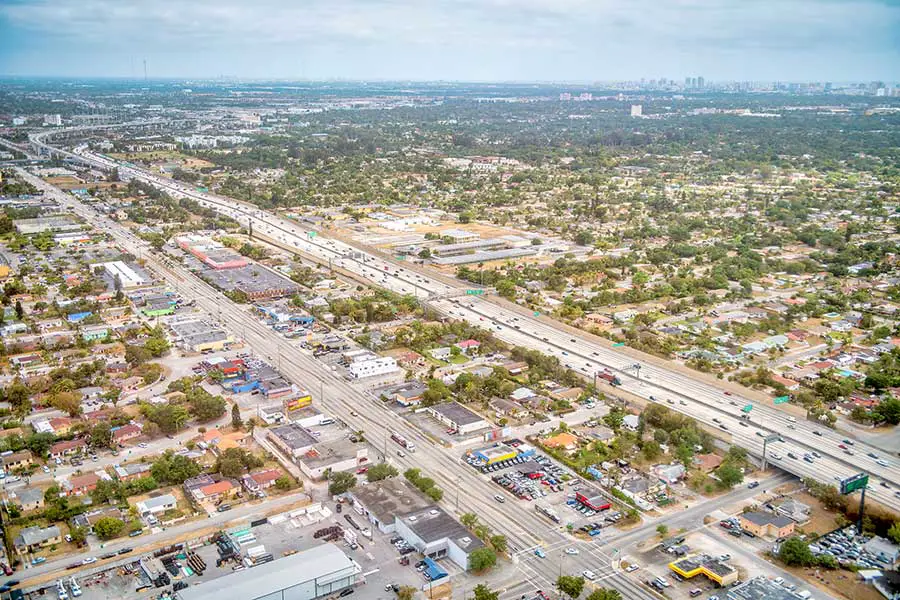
(128, 277)
(701, 564)
(436, 534)
(458, 417)
(293, 439)
(306, 575)
(760, 588)
(383, 502)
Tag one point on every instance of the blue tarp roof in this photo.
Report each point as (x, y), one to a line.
(434, 570)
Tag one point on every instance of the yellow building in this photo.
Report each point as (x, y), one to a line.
(703, 564)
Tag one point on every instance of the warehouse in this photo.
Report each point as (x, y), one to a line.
(129, 278)
(457, 417)
(371, 368)
(254, 281)
(306, 575)
(199, 336)
(292, 439)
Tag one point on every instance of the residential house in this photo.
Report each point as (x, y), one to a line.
(440, 353)
(79, 485)
(67, 448)
(214, 492)
(260, 480)
(790, 384)
(126, 432)
(515, 367)
(505, 408)
(631, 422)
(522, 393)
(27, 499)
(669, 474)
(563, 441)
(793, 509)
(156, 505)
(32, 539)
(707, 462)
(17, 460)
(87, 520)
(131, 471)
(469, 347)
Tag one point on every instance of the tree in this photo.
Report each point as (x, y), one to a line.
(174, 469)
(570, 585)
(381, 471)
(795, 552)
(469, 520)
(67, 402)
(482, 559)
(605, 594)
(662, 530)
(101, 435)
(20, 312)
(341, 481)
(483, 592)
(499, 543)
(406, 592)
(729, 475)
(283, 483)
(156, 346)
(79, 535)
(893, 532)
(236, 421)
(108, 527)
(425, 253)
(207, 407)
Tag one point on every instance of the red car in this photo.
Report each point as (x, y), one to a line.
(362, 470)
(727, 393)
(842, 446)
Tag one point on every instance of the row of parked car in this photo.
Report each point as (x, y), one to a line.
(849, 550)
(497, 466)
(401, 545)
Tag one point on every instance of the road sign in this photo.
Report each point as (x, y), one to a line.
(311, 234)
(618, 344)
(747, 408)
(782, 399)
(857, 482)
(537, 313)
(474, 292)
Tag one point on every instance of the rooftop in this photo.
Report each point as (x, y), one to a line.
(389, 498)
(760, 588)
(433, 524)
(294, 436)
(457, 413)
(321, 565)
(763, 518)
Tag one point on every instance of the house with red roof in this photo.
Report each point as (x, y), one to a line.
(79, 485)
(126, 432)
(468, 346)
(261, 480)
(219, 490)
(67, 448)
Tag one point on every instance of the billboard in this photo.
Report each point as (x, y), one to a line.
(297, 403)
(856, 482)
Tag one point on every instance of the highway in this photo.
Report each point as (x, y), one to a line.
(524, 527)
(584, 353)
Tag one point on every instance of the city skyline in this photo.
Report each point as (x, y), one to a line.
(458, 40)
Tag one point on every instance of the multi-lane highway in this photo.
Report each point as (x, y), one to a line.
(581, 352)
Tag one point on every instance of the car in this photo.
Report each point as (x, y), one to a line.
(848, 442)
(401, 453)
(817, 432)
(882, 462)
(778, 580)
(345, 592)
(539, 552)
(842, 446)
(89, 560)
(572, 551)
(142, 445)
(632, 568)
(727, 393)
(872, 455)
(45, 468)
(499, 498)
(362, 470)
(724, 557)
(753, 485)
(38, 560)
(589, 575)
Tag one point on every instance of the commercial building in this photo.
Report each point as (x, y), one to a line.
(255, 281)
(331, 456)
(385, 501)
(764, 524)
(211, 252)
(459, 236)
(128, 277)
(371, 368)
(495, 453)
(761, 588)
(292, 439)
(458, 417)
(436, 534)
(43, 224)
(701, 564)
(307, 575)
(200, 336)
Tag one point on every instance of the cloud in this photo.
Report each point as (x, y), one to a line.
(577, 35)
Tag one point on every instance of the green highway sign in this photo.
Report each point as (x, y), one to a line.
(537, 313)
(747, 408)
(474, 292)
(618, 344)
(782, 399)
(311, 234)
(857, 482)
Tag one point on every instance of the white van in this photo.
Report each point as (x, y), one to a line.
(327, 421)
(792, 419)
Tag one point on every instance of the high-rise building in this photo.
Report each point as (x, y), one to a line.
(687, 82)
(637, 110)
(700, 82)
(54, 120)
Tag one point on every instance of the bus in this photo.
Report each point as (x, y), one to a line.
(547, 512)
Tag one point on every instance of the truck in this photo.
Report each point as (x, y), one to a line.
(609, 377)
(350, 537)
(403, 441)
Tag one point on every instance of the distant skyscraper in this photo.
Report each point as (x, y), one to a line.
(637, 110)
(700, 82)
(687, 82)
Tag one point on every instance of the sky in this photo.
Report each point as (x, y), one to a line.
(462, 40)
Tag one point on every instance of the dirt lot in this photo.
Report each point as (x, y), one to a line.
(165, 156)
(837, 583)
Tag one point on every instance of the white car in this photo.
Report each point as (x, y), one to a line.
(89, 560)
(589, 575)
(572, 551)
(632, 568)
